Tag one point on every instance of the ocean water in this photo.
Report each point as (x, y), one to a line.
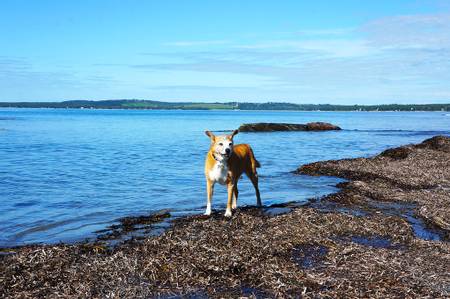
(66, 173)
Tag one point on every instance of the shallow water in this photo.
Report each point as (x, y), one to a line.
(67, 173)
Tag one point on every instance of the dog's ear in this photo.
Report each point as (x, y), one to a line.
(234, 133)
(210, 135)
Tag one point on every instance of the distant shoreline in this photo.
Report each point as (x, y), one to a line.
(240, 110)
(228, 106)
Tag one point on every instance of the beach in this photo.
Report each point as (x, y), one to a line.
(383, 234)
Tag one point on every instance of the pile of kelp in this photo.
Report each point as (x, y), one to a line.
(342, 246)
(417, 174)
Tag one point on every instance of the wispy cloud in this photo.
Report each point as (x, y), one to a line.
(196, 43)
(330, 47)
(325, 32)
(183, 88)
(411, 31)
(20, 79)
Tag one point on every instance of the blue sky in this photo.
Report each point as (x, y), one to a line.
(340, 52)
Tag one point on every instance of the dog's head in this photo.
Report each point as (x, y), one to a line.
(221, 145)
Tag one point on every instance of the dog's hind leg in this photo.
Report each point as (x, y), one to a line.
(235, 196)
(254, 179)
(209, 194)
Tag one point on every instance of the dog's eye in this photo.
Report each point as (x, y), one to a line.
(230, 144)
(221, 144)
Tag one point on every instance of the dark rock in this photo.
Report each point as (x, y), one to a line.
(273, 127)
(321, 126)
(438, 143)
(397, 153)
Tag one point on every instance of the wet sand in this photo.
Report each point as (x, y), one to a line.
(385, 234)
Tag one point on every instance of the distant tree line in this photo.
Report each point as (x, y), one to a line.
(330, 107)
(146, 104)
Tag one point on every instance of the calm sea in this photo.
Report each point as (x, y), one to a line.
(67, 173)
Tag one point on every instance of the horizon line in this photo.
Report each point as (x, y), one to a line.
(217, 102)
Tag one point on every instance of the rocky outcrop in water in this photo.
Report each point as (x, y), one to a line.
(273, 127)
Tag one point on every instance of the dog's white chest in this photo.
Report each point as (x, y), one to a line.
(219, 173)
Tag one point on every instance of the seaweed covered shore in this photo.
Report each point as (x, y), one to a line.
(359, 242)
(418, 174)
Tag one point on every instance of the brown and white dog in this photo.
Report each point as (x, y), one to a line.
(225, 163)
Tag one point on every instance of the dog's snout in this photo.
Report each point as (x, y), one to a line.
(227, 151)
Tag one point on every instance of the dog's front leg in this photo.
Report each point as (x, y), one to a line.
(235, 196)
(209, 193)
(230, 188)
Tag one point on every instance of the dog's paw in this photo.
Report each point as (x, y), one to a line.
(208, 210)
(228, 214)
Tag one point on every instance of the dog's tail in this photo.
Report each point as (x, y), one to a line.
(255, 163)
